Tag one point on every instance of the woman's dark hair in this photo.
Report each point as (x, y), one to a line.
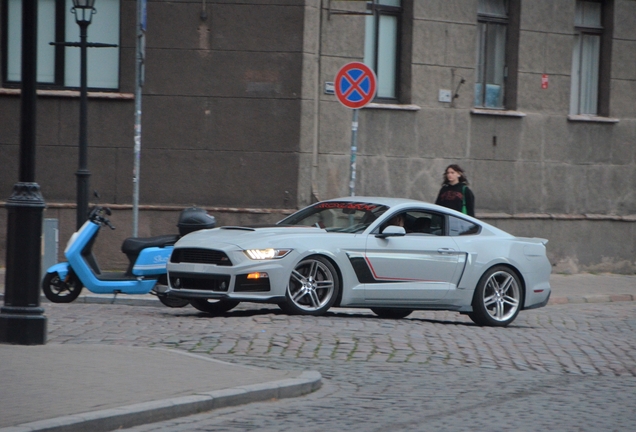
(457, 169)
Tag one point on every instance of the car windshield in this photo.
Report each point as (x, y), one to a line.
(337, 216)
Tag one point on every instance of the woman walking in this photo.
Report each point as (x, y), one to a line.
(455, 193)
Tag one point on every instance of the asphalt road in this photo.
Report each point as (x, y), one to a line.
(568, 367)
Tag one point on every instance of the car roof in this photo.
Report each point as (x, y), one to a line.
(388, 201)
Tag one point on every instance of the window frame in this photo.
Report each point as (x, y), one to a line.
(60, 59)
(403, 49)
(605, 32)
(511, 55)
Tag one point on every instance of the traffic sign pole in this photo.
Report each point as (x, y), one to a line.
(354, 151)
(355, 87)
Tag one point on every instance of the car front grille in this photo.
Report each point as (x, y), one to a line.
(202, 282)
(200, 256)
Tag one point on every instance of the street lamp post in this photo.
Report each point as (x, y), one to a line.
(84, 10)
(22, 320)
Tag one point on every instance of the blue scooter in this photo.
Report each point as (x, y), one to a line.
(147, 258)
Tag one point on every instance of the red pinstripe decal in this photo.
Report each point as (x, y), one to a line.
(366, 258)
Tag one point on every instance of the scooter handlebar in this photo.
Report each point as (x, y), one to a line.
(97, 215)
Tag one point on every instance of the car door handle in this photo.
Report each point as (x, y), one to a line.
(446, 250)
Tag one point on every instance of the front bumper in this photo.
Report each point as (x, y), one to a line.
(194, 280)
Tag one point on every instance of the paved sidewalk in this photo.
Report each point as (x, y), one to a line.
(592, 288)
(162, 384)
(127, 386)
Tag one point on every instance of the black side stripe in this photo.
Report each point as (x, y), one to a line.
(364, 273)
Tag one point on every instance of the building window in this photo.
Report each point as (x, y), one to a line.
(58, 66)
(497, 53)
(382, 46)
(589, 91)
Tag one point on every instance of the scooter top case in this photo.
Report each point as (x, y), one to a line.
(194, 219)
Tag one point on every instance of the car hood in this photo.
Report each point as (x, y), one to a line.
(244, 237)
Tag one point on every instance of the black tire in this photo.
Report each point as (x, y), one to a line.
(498, 298)
(392, 313)
(61, 291)
(214, 307)
(173, 302)
(313, 287)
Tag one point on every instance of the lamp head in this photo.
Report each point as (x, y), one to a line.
(83, 10)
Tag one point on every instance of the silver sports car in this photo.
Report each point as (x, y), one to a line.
(390, 255)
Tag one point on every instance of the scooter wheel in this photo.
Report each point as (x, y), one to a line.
(61, 291)
(173, 302)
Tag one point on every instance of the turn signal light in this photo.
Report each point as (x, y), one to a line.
(257, 275)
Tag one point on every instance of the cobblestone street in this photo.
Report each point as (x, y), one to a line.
(563, 367)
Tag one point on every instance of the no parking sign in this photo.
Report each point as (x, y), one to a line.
(355, 85)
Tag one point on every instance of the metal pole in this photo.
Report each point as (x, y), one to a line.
(139, 82)
(22, 320)
(354, 149)
(83, 173)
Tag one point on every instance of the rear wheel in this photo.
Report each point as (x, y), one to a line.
(61, 290)
(393, 313)
(497, 298)
(312, 288)
(212, 306)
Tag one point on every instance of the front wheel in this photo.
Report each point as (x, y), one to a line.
(173, 302)
(61, 291)
(312, 288)
(214, 307)
(497, 298)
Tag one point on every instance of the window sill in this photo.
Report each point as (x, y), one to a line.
(70, 94)
(592, 118)
(397, 107)
(500, 113)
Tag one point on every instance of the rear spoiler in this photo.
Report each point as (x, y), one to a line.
(534, 240)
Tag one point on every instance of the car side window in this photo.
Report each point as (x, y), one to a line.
(418, 223)
(460, 227)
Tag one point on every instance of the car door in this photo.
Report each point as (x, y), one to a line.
(417, 267)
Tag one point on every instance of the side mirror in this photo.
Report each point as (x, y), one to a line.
(392, 231)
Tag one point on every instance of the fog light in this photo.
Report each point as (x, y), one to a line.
(258, 275)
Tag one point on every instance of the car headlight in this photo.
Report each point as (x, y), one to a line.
(266, 254)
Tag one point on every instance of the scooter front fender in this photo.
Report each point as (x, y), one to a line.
(61, 269)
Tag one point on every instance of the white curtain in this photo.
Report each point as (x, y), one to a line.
(586, 58)
(387, 56)
(590, 53)
(491, 62)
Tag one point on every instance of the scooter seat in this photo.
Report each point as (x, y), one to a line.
(134, 245)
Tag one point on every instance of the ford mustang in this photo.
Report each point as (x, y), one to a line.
(390, 255)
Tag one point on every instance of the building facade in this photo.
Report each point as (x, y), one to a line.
(535, 99)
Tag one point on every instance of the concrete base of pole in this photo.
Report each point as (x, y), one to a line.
(22, 326)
